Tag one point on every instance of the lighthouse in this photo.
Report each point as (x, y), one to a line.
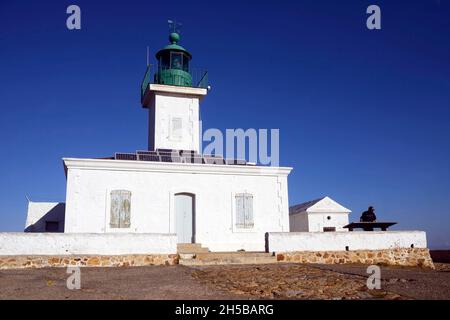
(172, 91)
(170, 197)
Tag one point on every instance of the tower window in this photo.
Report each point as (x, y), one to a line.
(244, 211)
(176, 128)
(120, 209)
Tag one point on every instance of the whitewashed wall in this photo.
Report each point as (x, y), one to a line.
(86, 244)
(318, 221)
(315, 222)
(41, 212)
(338, 241)
(166, 103)
(153, 187)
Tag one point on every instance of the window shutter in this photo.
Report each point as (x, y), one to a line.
(120, 209)
(240, 211)
(115, 210)
(244, 211)
(125, 214)
(248, 204)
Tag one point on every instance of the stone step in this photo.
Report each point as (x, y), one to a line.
(191, 248)
(223, 258)
(189, 245)
(234, 254)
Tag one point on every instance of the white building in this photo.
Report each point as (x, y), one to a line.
(320, 215)
(172, 189)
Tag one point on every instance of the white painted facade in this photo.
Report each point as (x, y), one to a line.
(174, 118)
(342, 241)
(319, 215)
(86, 244)
(153, 187)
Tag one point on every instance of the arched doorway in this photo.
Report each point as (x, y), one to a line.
(185, 217)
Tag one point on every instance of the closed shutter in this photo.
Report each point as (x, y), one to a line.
(240, 211)
(244, 211)
(125, 214)
(120, 209)
(248, 205)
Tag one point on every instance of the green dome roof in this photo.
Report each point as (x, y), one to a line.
(174, 46)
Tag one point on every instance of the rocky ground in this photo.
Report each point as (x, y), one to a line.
(275, 281)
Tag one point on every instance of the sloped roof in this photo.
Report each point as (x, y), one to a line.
(325, 204)
(303, 206)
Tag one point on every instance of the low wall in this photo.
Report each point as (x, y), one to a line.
(411, 257)
(344, 241)
(71, 244)
(402, 248)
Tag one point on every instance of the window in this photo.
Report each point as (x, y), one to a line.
(51, 226)
(176, 128)
(176, 60)
(164, 62)
(120, 209)
(244, 211)
(185, 63)
(329, 229)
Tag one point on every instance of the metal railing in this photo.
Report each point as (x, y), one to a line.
(154, 74)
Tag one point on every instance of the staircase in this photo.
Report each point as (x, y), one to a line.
(196, 255)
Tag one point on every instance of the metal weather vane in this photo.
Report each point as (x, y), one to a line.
(174, 26)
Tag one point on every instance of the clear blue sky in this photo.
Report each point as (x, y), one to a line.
(363, 115)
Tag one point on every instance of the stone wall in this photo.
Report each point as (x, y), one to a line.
(400, 257)
(413, 257)
(21, 262)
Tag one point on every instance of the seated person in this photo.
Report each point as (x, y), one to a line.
(369, 215)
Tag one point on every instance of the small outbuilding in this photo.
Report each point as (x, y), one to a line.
(320, 215)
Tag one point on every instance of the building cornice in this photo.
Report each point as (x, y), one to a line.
(188, 168)
(149, 97)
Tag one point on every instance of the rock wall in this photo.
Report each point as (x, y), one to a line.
(413, 257)
(21, 262)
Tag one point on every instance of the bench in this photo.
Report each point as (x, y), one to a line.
(369, 226)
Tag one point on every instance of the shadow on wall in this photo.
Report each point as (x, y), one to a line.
(50, 221)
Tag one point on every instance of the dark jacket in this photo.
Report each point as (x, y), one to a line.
(368, 216)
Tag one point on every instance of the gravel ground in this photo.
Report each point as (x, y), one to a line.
(413, 283)
(278, 281)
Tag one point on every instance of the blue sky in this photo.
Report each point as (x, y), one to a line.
(363, 115)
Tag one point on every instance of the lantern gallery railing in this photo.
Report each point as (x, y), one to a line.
(195, 78)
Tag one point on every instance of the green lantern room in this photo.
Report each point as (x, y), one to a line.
(173, 64)
(173, 67)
